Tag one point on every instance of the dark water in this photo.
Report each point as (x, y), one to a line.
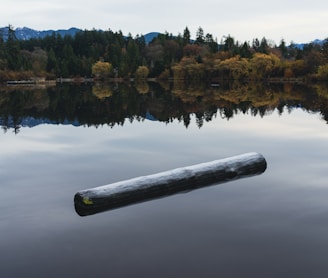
(58, 141)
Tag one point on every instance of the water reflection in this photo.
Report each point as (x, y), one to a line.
(113, 104)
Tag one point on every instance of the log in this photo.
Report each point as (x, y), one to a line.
(145, 188)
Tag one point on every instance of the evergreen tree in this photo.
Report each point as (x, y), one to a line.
(245, 51)
(325, 49)
(283, 48)
(229, 44)
(211, 43)
(12, 50)
(200, 38)
(256, 44)
(186, 36)
(3, 60)
(51, 61)
(132, 55)
(264, 46)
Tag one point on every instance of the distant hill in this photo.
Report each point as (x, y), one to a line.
(26, 33)
(150, 36)
(316, 41)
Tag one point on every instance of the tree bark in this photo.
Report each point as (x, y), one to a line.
(145, 188)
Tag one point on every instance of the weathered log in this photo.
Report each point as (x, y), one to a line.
(140, 189)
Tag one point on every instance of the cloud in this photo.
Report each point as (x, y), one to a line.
(244, 20)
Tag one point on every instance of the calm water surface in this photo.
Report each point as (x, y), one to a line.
(271, 225)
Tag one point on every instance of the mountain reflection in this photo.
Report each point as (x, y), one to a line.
(113, 104)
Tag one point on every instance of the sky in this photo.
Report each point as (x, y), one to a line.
(292, 21)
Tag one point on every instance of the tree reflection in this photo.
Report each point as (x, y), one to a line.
(114, 104)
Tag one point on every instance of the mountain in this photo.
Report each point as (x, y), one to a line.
(150, 36)
(26, 33)
(316, 41)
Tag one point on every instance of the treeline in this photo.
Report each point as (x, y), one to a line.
(108, 54)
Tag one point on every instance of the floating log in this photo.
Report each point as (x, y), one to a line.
(145, 188)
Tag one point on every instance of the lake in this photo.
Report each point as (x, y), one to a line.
(60, 140)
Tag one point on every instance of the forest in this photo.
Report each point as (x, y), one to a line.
(109, 55)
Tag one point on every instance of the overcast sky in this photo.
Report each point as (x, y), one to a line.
(296, 21)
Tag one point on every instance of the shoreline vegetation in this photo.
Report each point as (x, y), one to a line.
(80, 80)
(107, 56)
